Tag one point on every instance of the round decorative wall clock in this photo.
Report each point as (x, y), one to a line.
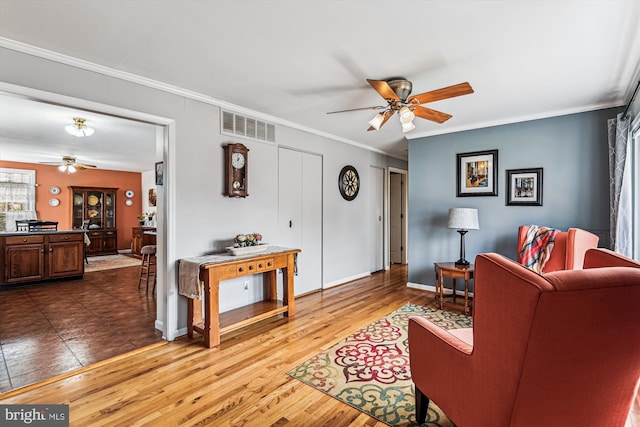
(349, 182)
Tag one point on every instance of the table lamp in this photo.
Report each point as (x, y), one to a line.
(463, 219)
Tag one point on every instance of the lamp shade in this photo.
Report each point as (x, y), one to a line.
(376, 121)
(463, 219)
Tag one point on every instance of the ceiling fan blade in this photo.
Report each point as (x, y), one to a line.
(83, 166)
(377, 107)
(383, 88)
(429, 114)
(386, 116)
(439, 94)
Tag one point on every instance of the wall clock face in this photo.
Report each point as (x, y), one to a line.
(237, 160)
(349, 182)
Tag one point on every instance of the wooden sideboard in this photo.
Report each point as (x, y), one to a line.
(37, 256)
(139, 239)
(213, 269)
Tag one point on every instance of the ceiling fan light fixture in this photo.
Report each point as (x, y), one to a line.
(79, 128)
(406, 115)
(406, 127)
(376, 121)
(67, 168)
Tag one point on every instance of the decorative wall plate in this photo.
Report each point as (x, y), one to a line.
(129, 193)
(54, 202)
(93, 200)
(128, 202)
(55, 190)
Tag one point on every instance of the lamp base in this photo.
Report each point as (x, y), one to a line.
(462, 263)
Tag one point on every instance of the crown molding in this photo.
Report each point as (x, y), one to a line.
(518, 119)
(155, 84)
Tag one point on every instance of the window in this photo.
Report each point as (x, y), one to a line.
(17, 197)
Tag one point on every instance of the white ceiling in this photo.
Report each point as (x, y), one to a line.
(293, 61)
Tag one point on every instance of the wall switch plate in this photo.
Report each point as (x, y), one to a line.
(246, 285)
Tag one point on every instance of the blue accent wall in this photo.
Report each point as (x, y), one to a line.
(571, 149)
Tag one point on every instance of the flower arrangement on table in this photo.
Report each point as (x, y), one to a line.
(243, 240)
(147, 216)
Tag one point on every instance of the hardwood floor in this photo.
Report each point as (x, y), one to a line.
(244, 382)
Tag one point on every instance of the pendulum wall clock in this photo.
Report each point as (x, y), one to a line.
(236, 159)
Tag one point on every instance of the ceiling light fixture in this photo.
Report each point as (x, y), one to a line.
(406, 127)
(406, 118)
(406, 115)
(376, 121)
(78, 128)
(67, 168)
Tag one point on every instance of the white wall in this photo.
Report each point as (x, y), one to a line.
(200, 219)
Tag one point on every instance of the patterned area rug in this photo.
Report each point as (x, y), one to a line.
(107, 262)
(369, 370)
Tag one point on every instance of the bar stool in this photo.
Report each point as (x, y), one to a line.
(148, 267)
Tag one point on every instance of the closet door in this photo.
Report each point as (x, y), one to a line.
(300, 214)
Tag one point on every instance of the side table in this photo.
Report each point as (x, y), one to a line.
(449, 269)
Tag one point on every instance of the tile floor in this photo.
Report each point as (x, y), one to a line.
(52, 328)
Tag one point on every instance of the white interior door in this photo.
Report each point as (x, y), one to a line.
(376, 212)
(300, 214)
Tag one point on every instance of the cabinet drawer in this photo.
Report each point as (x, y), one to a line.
(265, 264)
(241, 269)
(22, 240)
(252, 267)
(76, 237)
(95, 233)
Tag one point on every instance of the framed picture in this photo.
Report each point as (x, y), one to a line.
(477, 173)
(159, 173)
(524, 187)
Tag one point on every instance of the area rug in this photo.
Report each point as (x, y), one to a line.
(369, 369)
(107, 262)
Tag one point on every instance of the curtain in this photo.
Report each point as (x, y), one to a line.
(620, 197)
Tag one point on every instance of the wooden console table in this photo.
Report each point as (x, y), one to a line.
(211, 269)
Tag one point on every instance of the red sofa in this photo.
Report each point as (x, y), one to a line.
(561, 349)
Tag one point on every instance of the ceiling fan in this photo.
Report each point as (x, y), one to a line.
(396, 92)
(70, 165)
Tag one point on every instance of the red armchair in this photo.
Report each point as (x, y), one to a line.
(568, 249)
(561, 349)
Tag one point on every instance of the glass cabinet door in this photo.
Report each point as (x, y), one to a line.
(78, 209)
(110, 209)
(94, 208)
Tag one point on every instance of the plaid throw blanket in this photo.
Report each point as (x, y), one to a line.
(537, 247)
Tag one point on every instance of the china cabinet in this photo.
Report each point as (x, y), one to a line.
(94, 209)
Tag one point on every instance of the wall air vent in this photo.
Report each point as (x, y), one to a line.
(236, 125)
